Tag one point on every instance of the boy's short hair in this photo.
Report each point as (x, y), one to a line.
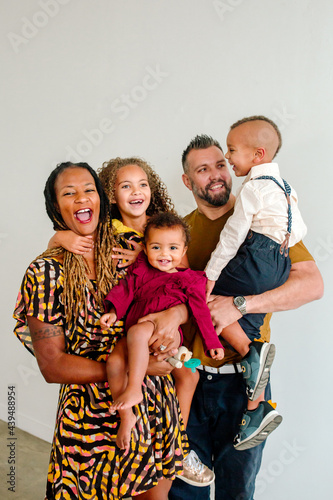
(264, 119)
(199, 142)
(166, 220)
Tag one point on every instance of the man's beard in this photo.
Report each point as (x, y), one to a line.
(218, 200)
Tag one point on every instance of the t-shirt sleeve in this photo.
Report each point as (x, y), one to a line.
(299, 253)
(40, 296)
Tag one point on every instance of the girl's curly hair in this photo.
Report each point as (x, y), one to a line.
(160, 200)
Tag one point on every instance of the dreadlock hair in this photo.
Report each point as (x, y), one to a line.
(262, 118)
(160, 200)
(199, 142)
(167, 220)
(75, 267)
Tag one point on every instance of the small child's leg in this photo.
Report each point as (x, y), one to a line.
(252, 405)
(186, 382)
(138, 357)
(257, 358)
(237, 338)
(116, 368)
(127, 422)
(256, 367)
(256, 425)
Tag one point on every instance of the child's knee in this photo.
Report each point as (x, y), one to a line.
(144, 330)
(186, 378)
(116, 362)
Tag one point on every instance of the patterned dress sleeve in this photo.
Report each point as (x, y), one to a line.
(39, 297)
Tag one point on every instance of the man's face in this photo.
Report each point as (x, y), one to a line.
(208, 176)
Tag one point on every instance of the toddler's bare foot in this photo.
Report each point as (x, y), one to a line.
(127, 422)
(127, 399)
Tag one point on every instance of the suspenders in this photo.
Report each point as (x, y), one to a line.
(287, 190)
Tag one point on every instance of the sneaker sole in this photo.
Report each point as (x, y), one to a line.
(195, 483)
(267, 356)
(268, 425)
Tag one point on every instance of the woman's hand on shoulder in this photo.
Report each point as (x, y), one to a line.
(72, 242)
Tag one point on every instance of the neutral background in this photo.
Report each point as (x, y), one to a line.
(84, 80)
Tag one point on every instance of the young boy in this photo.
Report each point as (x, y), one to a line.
(252, 257)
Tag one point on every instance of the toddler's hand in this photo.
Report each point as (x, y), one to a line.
(217, 353)
(108, 319)
(209, 288)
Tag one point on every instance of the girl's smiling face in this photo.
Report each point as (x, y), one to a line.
(132, 193)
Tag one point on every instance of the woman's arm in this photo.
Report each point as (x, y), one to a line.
(303, 285)
(55, 364)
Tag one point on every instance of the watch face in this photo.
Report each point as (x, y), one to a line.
(239, 301)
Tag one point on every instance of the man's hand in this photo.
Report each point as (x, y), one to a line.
(223, 312)
(303, 285)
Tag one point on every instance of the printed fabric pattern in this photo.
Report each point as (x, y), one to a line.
(85, 462)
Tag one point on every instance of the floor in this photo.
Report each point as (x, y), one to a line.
(30, 457)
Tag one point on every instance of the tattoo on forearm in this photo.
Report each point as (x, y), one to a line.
(47, 332)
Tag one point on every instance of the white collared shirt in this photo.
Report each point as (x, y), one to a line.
(262, 206)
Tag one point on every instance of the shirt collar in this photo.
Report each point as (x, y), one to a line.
(263, 169)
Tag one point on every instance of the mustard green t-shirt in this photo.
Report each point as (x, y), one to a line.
(205, 234)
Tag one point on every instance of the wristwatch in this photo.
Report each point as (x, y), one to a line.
(240, 303)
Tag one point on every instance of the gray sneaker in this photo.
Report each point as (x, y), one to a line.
(256, 366)
(195, 472)
(257, 425)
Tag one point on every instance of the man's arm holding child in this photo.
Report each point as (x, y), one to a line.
(303, 285)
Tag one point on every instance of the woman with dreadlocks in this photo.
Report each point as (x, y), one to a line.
(57, 312)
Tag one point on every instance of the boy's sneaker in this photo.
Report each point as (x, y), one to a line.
(257, 425)
(256, 366)
(195, 472)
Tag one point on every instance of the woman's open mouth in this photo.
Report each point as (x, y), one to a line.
(84, 215)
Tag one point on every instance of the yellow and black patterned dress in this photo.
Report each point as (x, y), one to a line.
(85, 462)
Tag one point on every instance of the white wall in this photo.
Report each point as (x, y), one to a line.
(68, 68)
